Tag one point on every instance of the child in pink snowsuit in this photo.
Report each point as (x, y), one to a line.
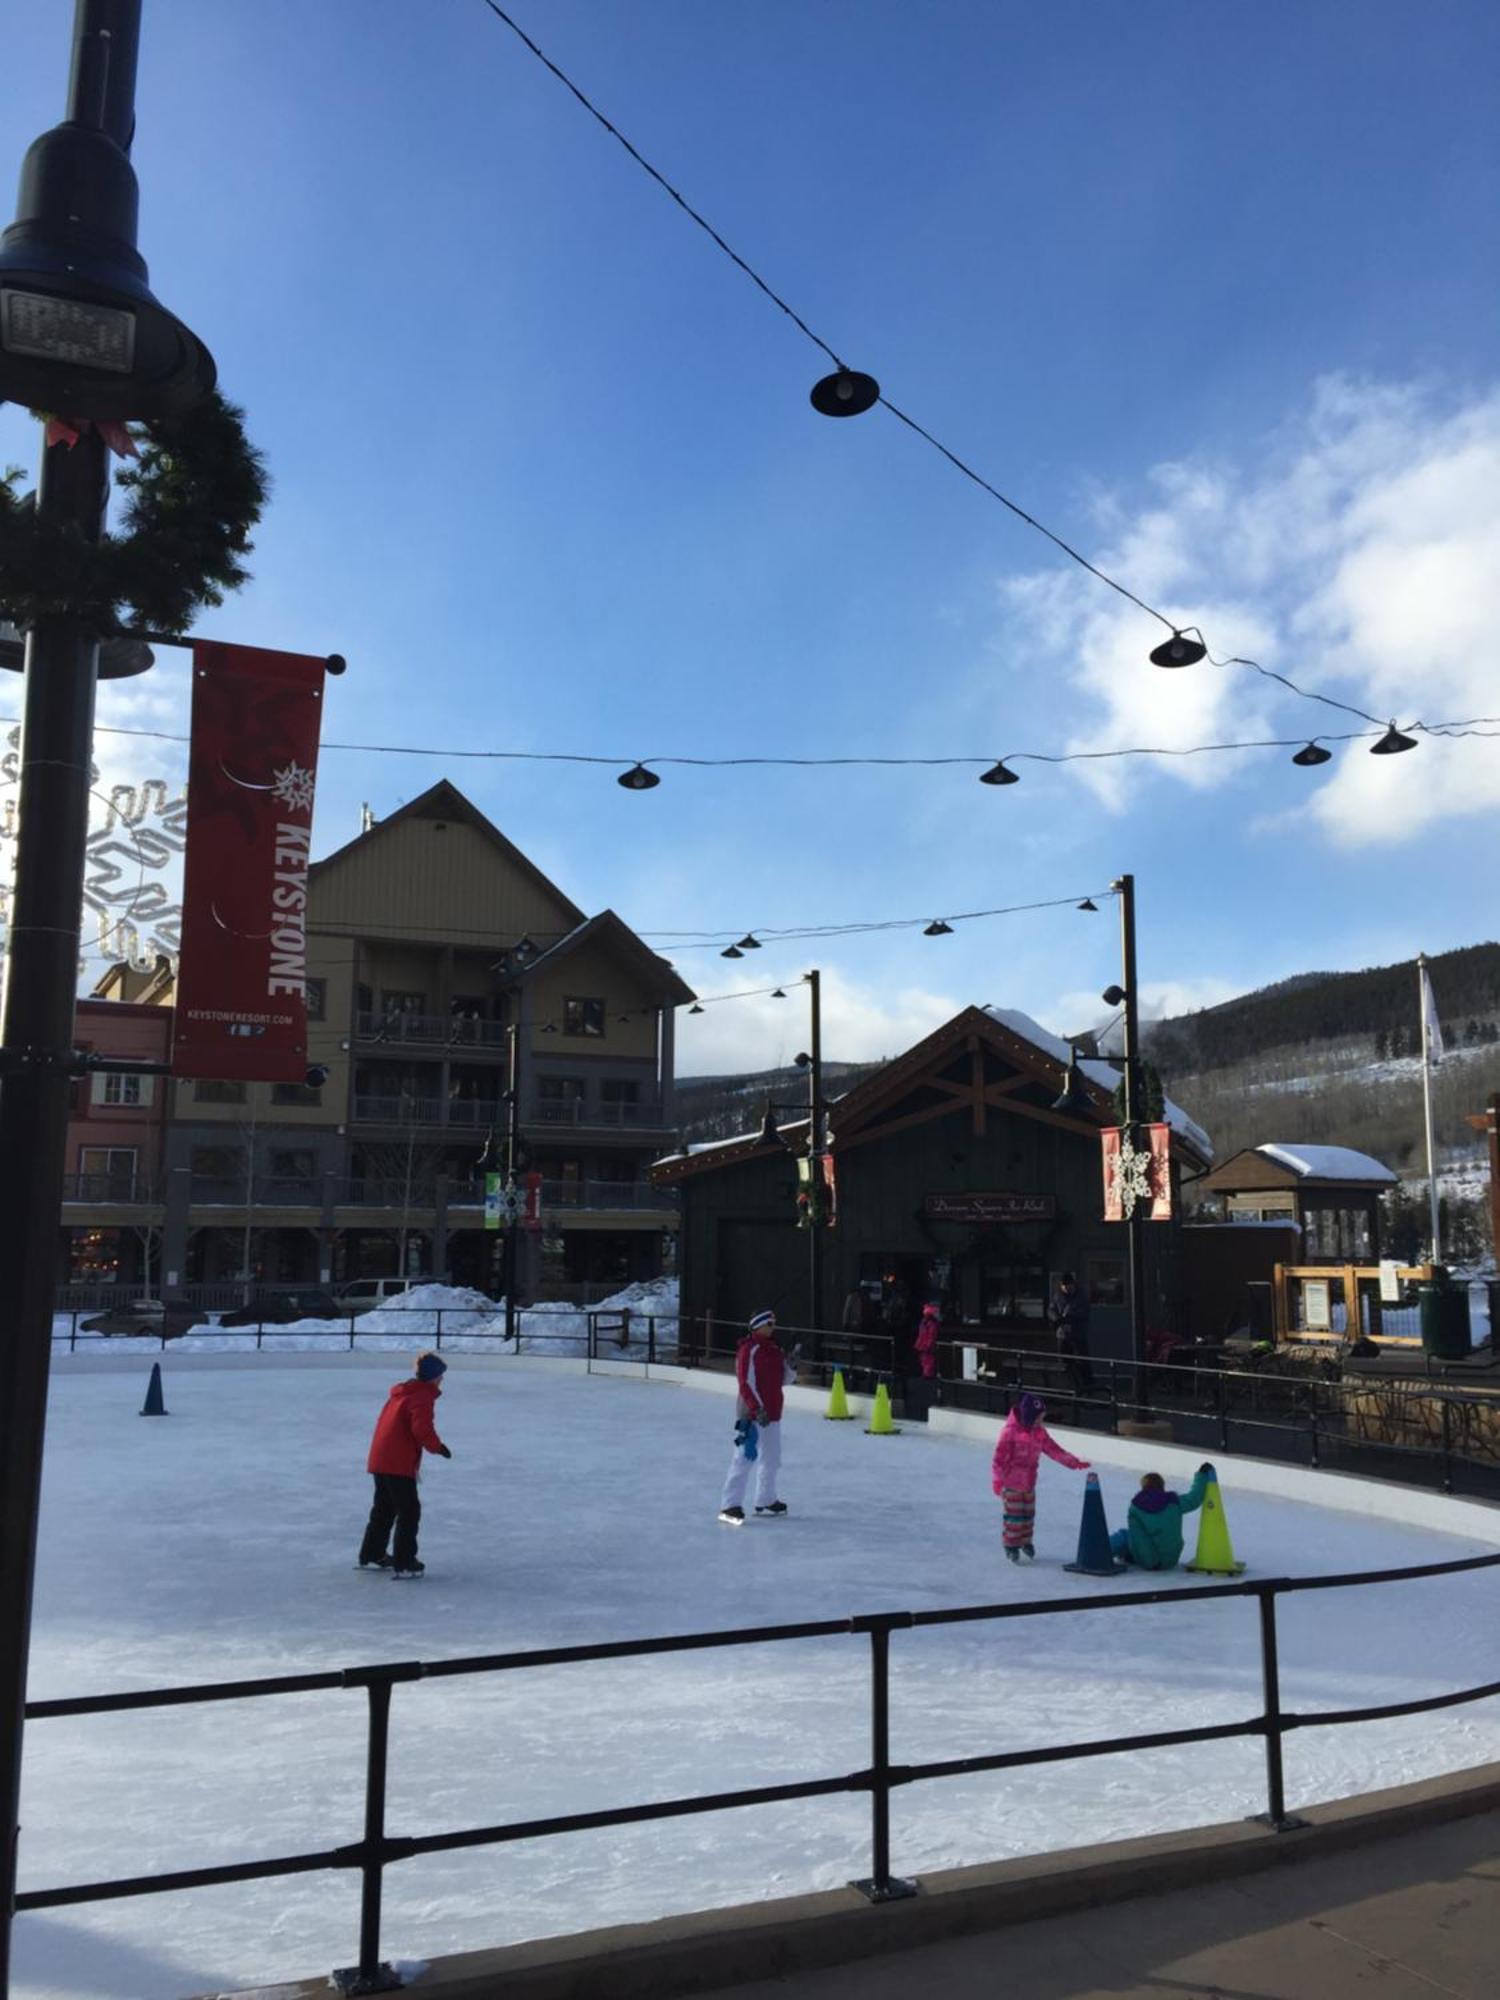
(927, 1340)
(1023, 1438)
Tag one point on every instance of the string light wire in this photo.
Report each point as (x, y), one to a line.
(902, 416)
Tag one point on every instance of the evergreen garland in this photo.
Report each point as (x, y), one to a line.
(1152, 1107)
(196, 491)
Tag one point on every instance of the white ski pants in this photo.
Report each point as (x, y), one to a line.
(766, 1464)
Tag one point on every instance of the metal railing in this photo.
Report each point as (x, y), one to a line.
(447, 1030)
(644, 1336)
(607, 1194)
(378, 1848)
(579, 1111)
(1365, 1422)
(863, 1359)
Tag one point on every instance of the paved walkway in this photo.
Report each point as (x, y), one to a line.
(1412, 1918)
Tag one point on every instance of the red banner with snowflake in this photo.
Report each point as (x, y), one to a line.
(1137, 1177)
(241, 1011)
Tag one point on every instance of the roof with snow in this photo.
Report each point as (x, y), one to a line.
(1273, 1165)
(1329, 1163)
(1102, 1073)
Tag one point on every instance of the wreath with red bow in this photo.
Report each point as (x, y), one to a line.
(196, 488)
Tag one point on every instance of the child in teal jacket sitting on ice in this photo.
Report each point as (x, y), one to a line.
(1153, 1539)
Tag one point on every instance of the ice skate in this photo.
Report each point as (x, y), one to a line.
(373, 1563)
(732, 1517)
(413, 1568)
(1013, 1555)
(773, 1507)
(1028, 1549)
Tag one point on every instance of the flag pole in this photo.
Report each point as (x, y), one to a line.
(1425, 1006)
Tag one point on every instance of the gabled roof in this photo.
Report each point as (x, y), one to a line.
(444, 801)
(1272, 1165)
(612, 931)
(1014, 1036)
(711, 1153)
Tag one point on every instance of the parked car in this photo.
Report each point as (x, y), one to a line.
(282, 1308)
(148, 1316)
(365, 1294)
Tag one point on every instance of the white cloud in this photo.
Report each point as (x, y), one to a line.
(860, 1024)
(1361, 557)
(1160, 999)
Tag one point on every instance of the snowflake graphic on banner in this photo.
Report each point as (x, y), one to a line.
(294, 788)
(137, 835)
(1132, 1177)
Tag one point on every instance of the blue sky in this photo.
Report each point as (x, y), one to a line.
(1210, 290)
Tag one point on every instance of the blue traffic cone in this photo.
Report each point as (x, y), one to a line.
(153, 1405)
(1094, 1555)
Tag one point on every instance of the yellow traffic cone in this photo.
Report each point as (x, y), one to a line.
(880, 1425)
(838, 1411)
(1215, 1552)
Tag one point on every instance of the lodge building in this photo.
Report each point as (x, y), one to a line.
(431, 938)
(957, 1178)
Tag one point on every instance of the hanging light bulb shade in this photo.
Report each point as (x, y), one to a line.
(1312, 753)
(733, 952)
(695, 1008)
(1074, 1100)
(938, 929)
(845, 394)
(638, 779)
(1112, 996)
(770, 1135)
(1178, 651)
(749, 943)
(998, 775)
(1088, 903)
(1392, 743)
(778, 994)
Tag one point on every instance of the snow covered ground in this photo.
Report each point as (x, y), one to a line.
(219, 1542)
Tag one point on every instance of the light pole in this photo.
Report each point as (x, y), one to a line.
(815, 1147)
(81, 336)
(1124, 888)
(512, 1149)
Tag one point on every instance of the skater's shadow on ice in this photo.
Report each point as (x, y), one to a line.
(56, 1957)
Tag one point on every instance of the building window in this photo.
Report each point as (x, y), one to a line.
(1106, 1281)
(402, 1003)
(583, 1017)
(297, 1164)
(296, 1093)
(1015, 1291)
(218, 1163)
(560, 1089)
(619, 1090)
(127, 1090)
(212, 1090)
(106, 1169)
(317, 999)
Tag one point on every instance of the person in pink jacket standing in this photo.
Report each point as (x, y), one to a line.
(925, 1344)
(1018, 1451)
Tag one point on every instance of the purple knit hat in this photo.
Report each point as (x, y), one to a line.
(1030, 1410)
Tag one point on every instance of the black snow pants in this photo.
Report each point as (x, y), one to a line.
(396, 1502)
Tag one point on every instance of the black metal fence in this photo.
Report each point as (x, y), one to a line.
(646, 1337)
(378, 1848)
(1418, 1434)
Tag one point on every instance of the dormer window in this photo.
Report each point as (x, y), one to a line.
(583, 1017)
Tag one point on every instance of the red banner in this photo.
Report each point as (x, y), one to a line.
(532, 1218)
(1136, 1176)
(241, 1009)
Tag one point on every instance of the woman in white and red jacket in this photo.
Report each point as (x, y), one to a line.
(762, 1371)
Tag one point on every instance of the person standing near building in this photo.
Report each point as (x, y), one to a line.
(1070, 1315)
(403, 1431)
(762, 1372)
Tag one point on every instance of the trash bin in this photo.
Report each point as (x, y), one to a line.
(1444, 1309)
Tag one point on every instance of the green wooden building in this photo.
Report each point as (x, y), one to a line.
(956, 1180)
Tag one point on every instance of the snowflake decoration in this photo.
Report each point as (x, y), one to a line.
(294, 788)
(1132, 1177)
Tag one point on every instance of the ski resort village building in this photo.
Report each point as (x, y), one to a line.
(432, 941)
(958, 1181)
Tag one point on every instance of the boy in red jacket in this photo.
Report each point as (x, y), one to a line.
(403, 1431)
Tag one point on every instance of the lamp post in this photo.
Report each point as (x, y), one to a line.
(81, 335)
(815, 1147)
(1124, 888)
(512, 1149)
